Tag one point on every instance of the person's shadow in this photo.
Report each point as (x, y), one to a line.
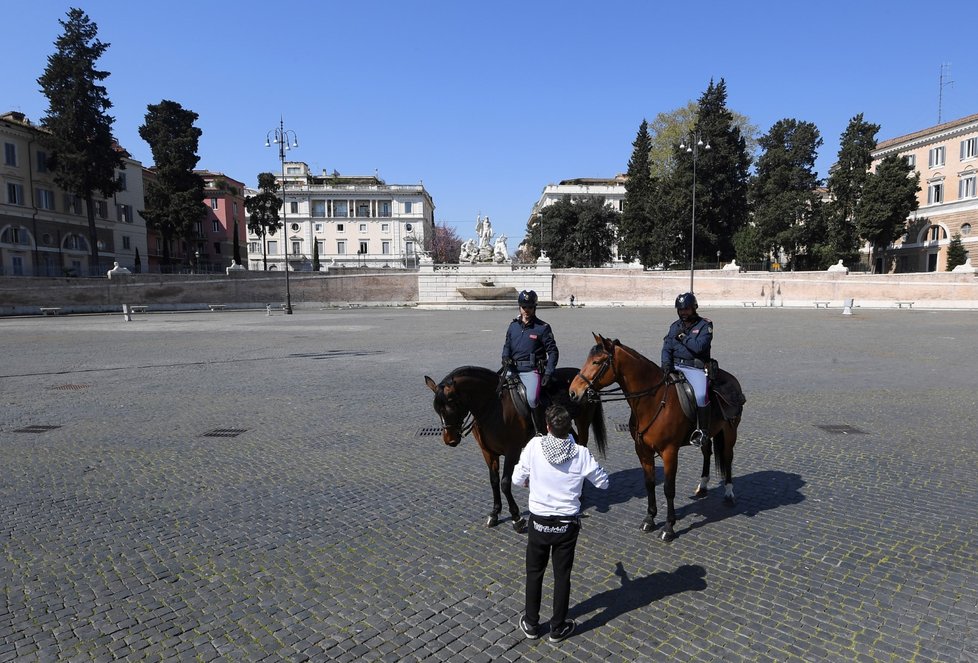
(638, 592)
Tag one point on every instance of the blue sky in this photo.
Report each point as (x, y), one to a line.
(488, 102)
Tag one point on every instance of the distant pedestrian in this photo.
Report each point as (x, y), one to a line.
(554, 467)
(572, 301)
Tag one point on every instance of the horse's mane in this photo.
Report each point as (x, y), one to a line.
(471, 372)
(632, 352)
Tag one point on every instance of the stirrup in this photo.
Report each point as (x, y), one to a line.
(697, 437)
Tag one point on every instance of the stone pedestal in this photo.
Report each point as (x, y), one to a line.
(482, 285)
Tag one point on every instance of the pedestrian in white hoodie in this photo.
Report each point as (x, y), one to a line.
(554, 467)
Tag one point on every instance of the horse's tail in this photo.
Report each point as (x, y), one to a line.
(723, 468)
(599, 428)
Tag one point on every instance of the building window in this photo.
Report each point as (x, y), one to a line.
(73, 203)
(124, 213)
(340, 209)
(911, 160)
(18, 265)
(15, 193)
(122, 181)
(935, 193)
(42, 161)
(966, 187)
(969, 148)
(9, 154)
(14, 236)
(320, 246)
(234, 209)
(936, 233)
(272, 246)
(76, 243)
(217, 247)
(318, 227)
(295, 227)
(408, 208)
(319, 209)
(385, 227)
(293, 170)
(965, 229)
(198, 229)
(384, 208)
(45, 198)
(409, 248)
(339, 227)
(126, 242)
(215, 226)
(293, 207)
(363, 227)
(385, 247)
(363, 209)
(213, 203)
(935, 158)
(363, 247)
(254, 247)
(341, 247)
(296, 247)
(102, 209)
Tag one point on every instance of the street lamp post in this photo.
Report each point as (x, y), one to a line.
(281, 137)
(196, 261)
(692, 144)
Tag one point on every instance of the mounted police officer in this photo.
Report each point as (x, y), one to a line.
(531, 351)
(687, 348)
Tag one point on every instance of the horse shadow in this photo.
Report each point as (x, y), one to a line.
(637, 593)
(757, 492)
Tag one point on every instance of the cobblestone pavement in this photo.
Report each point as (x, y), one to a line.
(234, 486)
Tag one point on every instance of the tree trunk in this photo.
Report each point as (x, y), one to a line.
(94, 268)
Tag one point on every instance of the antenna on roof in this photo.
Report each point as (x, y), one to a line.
(946, 67)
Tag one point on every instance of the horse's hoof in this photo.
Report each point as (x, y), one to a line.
(701, 493)
(648, 526)
(667, 535)
(520, 526)
(492, 520)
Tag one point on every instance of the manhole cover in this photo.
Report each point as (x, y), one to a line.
(36, 429)
(69, 387)
(840, 429)
(425, 432)
(225, 432)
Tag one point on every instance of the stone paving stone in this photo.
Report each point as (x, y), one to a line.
(329, 530)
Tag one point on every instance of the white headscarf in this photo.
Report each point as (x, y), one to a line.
(558, 450)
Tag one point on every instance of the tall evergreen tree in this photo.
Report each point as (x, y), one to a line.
(888, 197)
(635, 237)
(845, 183)
(82, 153)
(264, 219)
(236, 252)
(722, 175)
(580, 231)
(782, 193)
(175, 198)
(669, 128)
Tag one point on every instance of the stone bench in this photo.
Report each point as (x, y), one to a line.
(618, 303)
(139, 308)
(902, 304)
(50, 310)
(217, 307)
(750, 303)
(821, 304)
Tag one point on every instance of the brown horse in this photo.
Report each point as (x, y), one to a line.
(658, 424)
(477, 394)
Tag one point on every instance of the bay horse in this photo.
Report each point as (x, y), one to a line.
(476, 394)
(658, 424)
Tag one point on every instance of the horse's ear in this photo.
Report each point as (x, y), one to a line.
(431, 384)
(597, 338)
(606, 343)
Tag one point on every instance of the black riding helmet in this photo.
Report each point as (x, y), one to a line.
(686, 300)
(528, 299)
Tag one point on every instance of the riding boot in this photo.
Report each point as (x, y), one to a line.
(701, 435)
(539, 417)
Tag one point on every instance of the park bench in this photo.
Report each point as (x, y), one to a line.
(217, 307)
(139, 308)
(821, 304)
(50, 310)
(752, 304)
(902, 304)
(618, 303)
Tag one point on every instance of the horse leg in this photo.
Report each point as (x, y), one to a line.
(492, 461)
(701, 488)
(648, 470)
(727, 438)
(670, 462)
(519, 523)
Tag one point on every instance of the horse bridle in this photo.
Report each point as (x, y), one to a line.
(594, 394)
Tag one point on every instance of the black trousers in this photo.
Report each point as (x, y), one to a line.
(550, 537)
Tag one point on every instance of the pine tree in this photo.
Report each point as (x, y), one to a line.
(845, 184)
(82, 153)
(888, 197)
(264, 219)
(636, 232)
(956, 253)
(175, 197)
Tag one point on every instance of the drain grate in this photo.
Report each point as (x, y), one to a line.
(36, 429)
(621, 428)
(840, 429)
(429, 431)
(69, 387)
(225, 432)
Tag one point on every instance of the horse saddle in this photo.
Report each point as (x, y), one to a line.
(725, 394)
(517, 391)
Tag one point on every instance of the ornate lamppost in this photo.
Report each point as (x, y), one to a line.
(281, 137)
(693, 143)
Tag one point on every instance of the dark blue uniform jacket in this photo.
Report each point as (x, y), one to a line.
(530, 344)
(695, 344)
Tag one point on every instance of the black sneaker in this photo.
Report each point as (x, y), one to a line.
(532, 632)
(563, 631)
